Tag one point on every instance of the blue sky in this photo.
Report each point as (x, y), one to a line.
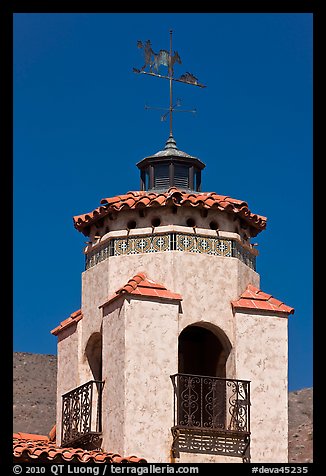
(80, 126)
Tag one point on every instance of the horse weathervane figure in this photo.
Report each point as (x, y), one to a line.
(165, 58)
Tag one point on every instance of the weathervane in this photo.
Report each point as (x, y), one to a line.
(165, 58)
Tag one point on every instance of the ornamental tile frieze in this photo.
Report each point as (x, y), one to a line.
(182, 242)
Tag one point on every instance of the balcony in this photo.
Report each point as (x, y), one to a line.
(81, 416)
(211, 415)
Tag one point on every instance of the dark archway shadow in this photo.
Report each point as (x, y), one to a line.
(211, 411)
(93, 354)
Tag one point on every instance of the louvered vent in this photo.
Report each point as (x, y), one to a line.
(161, 177)
(181, 176)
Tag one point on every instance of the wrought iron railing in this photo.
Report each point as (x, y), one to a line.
(81, 415)
(211, 403)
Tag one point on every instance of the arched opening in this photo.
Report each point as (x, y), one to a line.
(93, 353)
(211, 409)
(203, 352)
(201, 382)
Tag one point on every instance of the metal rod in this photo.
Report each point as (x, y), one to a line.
(89, 428)
(173, 79)
(201, 404)
(170, 75)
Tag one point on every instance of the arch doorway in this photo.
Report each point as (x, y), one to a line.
(93, 353)
(202, 355)
(202, 352)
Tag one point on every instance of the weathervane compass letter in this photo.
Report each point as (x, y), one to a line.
(154, 60)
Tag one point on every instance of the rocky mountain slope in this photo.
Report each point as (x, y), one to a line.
(34, 392)
(300, 426)
(34, 405)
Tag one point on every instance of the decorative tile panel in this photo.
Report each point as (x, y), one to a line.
(170, 242)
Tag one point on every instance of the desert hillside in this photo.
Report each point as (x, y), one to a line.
(300, 426)
(35, 403)
(34, 392)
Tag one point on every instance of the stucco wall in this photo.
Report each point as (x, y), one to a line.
(261, 357)
(113, 408)
(95, 290)
(67, 371)
(207, 283)
(140, 352)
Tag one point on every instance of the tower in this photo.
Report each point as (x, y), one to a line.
(176, 354)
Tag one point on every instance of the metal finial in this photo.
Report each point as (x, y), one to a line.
(170, 143)
(165, 58)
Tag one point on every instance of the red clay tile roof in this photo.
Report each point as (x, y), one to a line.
(174, 196)
(30, 437)
(141, 286)
(72, 319)
(253, 298)
(38, 448)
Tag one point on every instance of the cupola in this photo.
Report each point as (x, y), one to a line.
(170, 167)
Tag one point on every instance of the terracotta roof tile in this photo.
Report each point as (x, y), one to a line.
(28, 447)
(72, 319)
(254, 298)
(30, 436)
(142, 286)
(133, 200)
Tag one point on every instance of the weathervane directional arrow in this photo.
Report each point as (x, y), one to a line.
(165, 58)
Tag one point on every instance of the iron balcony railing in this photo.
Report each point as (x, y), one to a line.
(211, 403)
(81, 415)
